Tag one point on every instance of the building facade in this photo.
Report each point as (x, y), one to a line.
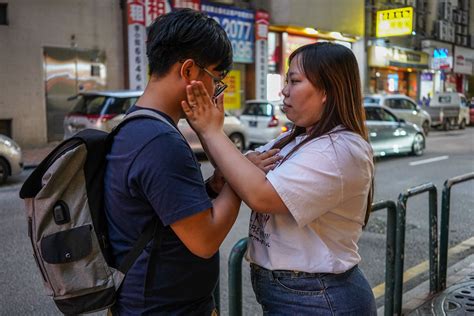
(49, 51)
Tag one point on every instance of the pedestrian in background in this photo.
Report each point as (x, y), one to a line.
(309, 211)
(152, 173)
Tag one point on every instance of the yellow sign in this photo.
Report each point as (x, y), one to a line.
(395, 22)
(232, 93)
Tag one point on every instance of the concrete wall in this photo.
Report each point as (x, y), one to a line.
(34, 24)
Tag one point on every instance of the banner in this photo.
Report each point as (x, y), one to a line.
(239, 26)
(232, 93)
(137, 62)
(262, 21)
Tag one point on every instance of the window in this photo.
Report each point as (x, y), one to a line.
(407, 105)
(388, 117)
(394, 104)
(3, 14)
(258, 109)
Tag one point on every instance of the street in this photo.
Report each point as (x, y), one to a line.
(448, 154)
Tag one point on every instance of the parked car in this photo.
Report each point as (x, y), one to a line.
(104, 110)
(233, 128)
(101, 110)
(448, 109)
(403, 107)
(390, 135)
(471, 112)
(11, 162)
(264, 120)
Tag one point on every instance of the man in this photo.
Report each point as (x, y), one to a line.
(152, 172)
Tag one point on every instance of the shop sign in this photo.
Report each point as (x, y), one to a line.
(463, 60)
(292, 42)
(394, 22)
(232, 93)
(155, 8)
(137, 63)
(239, 26)
(262, 20)
(380, 56)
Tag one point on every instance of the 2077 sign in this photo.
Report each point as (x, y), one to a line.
(239, 26)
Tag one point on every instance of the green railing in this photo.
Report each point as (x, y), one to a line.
(400, 240)
(235, 277)
(444, 226)
(389, 253)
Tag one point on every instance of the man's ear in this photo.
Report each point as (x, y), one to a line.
(189, 70)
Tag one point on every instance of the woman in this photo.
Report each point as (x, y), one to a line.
(308, 212)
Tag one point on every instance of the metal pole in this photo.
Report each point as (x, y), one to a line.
(390, 252)
(399, 253)
(444, 226)
(235, 277)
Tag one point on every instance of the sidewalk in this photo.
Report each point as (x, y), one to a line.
(33, 156)
(456, 299)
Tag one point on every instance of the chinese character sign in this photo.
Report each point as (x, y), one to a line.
(155, 8)
(232, 93)
(137, 63)
(262, 21)
(239, 26)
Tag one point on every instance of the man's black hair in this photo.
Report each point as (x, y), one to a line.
(183, 34)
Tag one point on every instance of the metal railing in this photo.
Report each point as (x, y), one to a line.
(235, 277)
(444, 225)
(400, 240)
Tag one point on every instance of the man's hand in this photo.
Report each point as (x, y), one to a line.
(217, 181)
(266, 161)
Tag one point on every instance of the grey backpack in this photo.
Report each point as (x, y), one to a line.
(67, 224)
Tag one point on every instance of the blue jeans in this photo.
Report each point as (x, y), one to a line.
(282, 292)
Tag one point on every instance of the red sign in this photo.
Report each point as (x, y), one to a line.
(136, 12)
(190, 4)
(262, 20)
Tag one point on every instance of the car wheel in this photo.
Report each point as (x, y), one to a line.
(418, 145)
(4, 171)
(463, 124)
(426, 127)
(238, 141)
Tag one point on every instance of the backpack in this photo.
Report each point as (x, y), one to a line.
(67, 225)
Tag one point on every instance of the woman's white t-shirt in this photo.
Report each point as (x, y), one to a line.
(325, 185)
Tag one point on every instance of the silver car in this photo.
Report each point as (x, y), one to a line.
(390, 135)
(403, 107)
(264, 120)
(104, 110)
(11, 162)
(101, 110)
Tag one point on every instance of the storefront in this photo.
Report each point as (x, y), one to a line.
(282, 41)
(463, 69)
(395, 70)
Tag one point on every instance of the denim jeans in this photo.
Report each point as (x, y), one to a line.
(282, 292)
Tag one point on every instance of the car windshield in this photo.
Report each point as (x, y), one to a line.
(371, 100)
(258, 109)
(90, 105)
(87, 105)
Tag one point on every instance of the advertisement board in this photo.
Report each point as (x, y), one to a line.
(394, 22)
(137, 62)
(239, 26)
(232, 93)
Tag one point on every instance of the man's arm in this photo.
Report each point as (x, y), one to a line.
(204, 232)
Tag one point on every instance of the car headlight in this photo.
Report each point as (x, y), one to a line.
(10, 143)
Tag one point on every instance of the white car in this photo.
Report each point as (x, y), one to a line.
(233, 128)
(11, 162)
(403, 107)
(264, 120)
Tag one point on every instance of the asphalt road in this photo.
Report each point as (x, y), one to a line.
(452, 154)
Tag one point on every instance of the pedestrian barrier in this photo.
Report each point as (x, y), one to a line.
(400, 240)
(390, 252)
(235, 277)
(444, 225)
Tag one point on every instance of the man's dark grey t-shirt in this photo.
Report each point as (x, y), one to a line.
(151, 171)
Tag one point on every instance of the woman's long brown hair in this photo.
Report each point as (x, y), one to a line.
(333, 69)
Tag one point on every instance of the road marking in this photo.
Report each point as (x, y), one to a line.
(409, 274)
(421, 162)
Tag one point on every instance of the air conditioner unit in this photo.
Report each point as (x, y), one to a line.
(464, 18)
(445, 11)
